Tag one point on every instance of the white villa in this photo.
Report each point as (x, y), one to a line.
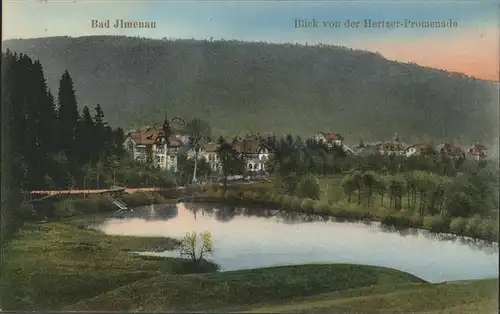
(255, 152)
(209, 153)
(252, 149)
(152, 144)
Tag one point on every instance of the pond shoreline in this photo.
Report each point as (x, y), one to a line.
(308, 206)
(91, 270)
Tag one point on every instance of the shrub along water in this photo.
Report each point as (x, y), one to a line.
(266, 196)
(68, 206)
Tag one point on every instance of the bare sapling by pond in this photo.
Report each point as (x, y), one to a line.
(196, 246)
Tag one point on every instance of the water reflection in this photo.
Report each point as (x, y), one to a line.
(223, 213)
(248, 237)
(151, 212)
(475, 244)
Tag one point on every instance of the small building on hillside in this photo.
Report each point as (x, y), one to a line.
(329, 139)
(421, 149)
(391, 148)
(477, 152)
(150, 145)
(450, 150)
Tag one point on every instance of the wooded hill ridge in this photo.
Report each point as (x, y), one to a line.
(248, 87)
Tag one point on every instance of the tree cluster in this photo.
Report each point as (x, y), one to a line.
(53, 142)
(425, 185)
(48, 143)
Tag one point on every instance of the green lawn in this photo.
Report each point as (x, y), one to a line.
(49, 265)
(242, 289)
(474, 297)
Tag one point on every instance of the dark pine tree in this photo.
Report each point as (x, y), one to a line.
(41, 121)
(12, 120)
(68, 117)
(167, 130)
(100, 140)
(85, 138)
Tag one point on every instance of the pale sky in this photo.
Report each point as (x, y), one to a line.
(472, 47)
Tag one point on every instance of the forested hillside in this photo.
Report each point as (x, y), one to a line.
(258, 87)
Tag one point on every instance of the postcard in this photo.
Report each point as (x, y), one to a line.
(250, 156)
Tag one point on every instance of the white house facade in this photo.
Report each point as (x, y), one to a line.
(255, 153)
(150, 145)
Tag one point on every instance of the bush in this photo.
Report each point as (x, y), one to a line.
(289, 183)
(308, 187)
(416, 221)
(307, 204)
(435, 223)
(172, 193)
(64, 208)
(230, 194)
(210, 192)
(27, 211)
(488, 230)
(286, 200)
(220, 193)
(257, 195)
(158, 199)
(276, 197)
(458, 225)
(295, 203)
(321, 207)
(267, 196)
(383, 213)
(472, 226)
(248, 195)
(396, 219)
(137, 199)
(185, 266)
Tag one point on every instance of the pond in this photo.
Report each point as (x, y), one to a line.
(253, 237)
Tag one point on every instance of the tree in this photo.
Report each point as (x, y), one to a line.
(357, 179)
(68, 116)
(396, 188)
(99, 170)
(86, 136)
(381, 188)
(199, 131)
(423, 185)
(88, 173)
(99, 132)
(11, 165)
(369, 179)
(412, 184)
(309, 187)
(348, 185)
(227, 158)
(196, 246)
